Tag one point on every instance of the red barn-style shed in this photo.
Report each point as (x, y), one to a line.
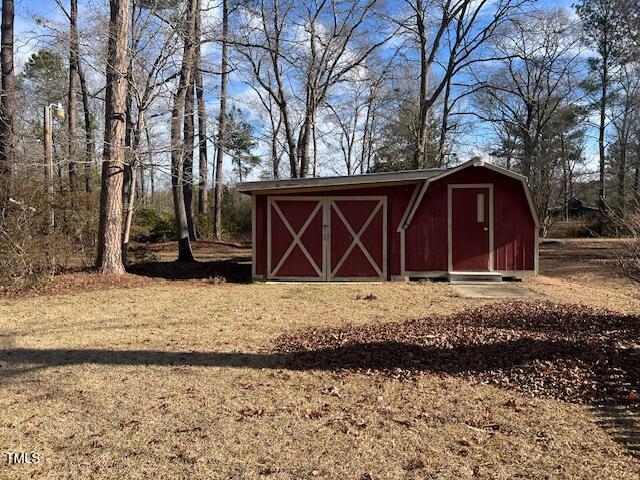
(475, 220)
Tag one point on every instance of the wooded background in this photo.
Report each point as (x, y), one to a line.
(170, 102)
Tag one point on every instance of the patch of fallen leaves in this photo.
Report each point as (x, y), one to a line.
(78, 282)
(570, 352)
(369, 296)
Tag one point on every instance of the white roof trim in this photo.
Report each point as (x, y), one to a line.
(369, 178)
(416, 192)
(413, 207)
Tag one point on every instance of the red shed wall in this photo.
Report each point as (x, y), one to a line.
(514, 226)
(398, 197)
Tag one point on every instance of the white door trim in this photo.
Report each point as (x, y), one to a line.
(450, 189)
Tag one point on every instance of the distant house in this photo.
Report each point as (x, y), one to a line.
(475, 218)
(576, 209)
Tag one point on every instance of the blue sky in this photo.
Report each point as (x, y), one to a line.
(29, 37)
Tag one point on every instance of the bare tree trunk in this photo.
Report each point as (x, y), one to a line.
(109, 258)
(135, 151)
(128, 164)
(7, 153)
(152, 177)
(528, 152)
(570, 184)
(423, 120)
(445, 125)
(203, 166)
(303, 143)
(177, 117)
(370, 140)
(143, 187)
(366, 136)
(315, 146)
(565, 178)
(88, 130)
(601, 139)
(187, 163)
(622, 173)
(72, 118)
(129, 216)
(351, 140)
(275, 130)
(217, 207)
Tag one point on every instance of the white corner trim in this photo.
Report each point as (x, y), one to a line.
(403, 258)
(536, 250)
(425, 186)
(253, 235)
(414, 206)
(412, 201)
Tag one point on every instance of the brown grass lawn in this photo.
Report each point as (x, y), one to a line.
(152, 378)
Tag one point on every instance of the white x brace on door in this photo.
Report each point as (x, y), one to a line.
(327, 238)
(358, 238)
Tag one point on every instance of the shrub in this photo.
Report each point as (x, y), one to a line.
(629, 256)
(30, 248)
(204, 226)
(150, 225)
(236, 212)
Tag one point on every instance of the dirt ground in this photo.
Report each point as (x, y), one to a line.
(148, 377)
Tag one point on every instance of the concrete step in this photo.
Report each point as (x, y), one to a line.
(467, 277)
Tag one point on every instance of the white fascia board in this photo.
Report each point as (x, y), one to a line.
(370, 178)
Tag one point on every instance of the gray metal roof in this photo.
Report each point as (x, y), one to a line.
(290, 183)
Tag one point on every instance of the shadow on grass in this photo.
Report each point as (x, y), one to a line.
(235, 270)
(620, 419)
(621, 422)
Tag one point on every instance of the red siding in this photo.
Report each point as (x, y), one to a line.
(514, 227)
(426, 237)
(260, 213)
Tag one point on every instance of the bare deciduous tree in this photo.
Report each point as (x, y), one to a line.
(222, 119)
(187, 153)
(625, 118)
(537, 78)
(604, 22)
(152, 48)
(177, 118)
(203, 161)
(462, 27)
(297, 55)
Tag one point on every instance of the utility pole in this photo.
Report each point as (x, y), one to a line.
(58, 111)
